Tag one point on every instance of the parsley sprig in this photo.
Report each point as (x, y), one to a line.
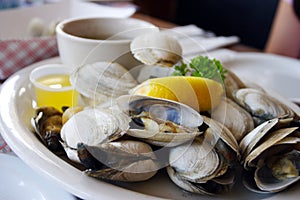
(202, 67)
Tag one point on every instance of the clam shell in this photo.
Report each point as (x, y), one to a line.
(163, 109)
(101, 81)
(160, 113)
(94, 126)
(156, 49)
(252, 138)
(200, 168)
(232, 83)
(200, 188)
(125, 176)
(234, 117)
(273, 138)
(162, 138)
(124, 160)
(196, 162)
(261, 105)
(265, 181)
(217, 130)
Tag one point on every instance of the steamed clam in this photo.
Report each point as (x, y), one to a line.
(160, 122)
(234, 117)
(93, 126)
(89, 137)
(69, 112)
(47, 123)
(156, 49)
(101, 81)
(207, 165)
(261, 105)
(232, 83)
(124, 160)
(271, 155)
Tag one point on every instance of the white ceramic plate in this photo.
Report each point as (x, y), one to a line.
(15, 112)
(18, 181)
(278, 73)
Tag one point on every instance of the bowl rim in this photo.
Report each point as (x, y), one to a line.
(60, 26)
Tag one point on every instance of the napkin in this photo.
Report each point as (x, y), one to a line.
(195, 41)
(198, 44)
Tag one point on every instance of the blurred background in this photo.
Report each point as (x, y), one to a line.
(250, 20)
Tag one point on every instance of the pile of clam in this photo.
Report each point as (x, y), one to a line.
(122, 137)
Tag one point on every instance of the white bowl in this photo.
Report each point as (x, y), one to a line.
(88, 40)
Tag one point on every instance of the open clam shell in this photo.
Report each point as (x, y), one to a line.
(271, 155)
(156, 49)
(161, 108)
(261, 105)
(266, 181)
(253, 137)
(160, 122)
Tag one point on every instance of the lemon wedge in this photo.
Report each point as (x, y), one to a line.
(202, 94)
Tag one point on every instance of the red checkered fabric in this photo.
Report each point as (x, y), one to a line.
(16, 54)
(4, 148)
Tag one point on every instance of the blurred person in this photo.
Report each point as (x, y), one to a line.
(284, 38)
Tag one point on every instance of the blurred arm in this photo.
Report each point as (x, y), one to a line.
(284, 37)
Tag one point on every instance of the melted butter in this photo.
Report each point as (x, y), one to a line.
(56, 98)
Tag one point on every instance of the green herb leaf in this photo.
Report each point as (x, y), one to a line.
(181, 70)
(202, 67)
